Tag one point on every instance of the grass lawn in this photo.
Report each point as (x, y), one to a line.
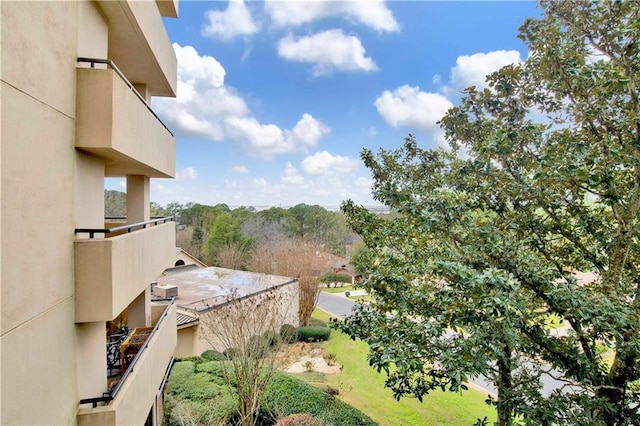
(362, 387)
(337, 289)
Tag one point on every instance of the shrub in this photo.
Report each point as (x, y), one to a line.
(288, 395)
(313, 334)
(288, 333)
(211, 355)
(299, 419)
(330, 358)
(308, 366)
(231, 353)
(258, 346)
(315, 322)
(274, 339)
(191, 387)
(332, 277)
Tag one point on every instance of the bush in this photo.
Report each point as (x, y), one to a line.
(313, 334)
(191, 387)
(273, 338)
(332, 277)
(211, 355)
(232, 353)
(288, 333)
(315, 322)
(288, 395)
(258, 346)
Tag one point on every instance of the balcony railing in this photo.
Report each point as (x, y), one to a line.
(110, 64)
(143, 377)
(120, 229)
(115, 123)
(111, 272)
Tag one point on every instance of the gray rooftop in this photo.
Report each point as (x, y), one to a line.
(204, 288)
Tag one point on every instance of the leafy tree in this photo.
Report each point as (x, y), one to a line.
(115, 203)
(225, 237)
(362, 259)
(485, 244)
(307, 221)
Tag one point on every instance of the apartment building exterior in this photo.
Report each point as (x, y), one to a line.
(81, 340)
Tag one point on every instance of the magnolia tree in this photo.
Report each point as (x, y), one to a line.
(248, 331)
(541, 182)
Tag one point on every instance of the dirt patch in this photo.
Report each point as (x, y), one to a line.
(294, 358)
(318, 364)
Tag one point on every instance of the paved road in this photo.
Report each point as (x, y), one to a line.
(339, 306)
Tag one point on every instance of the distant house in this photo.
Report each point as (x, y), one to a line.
(347, 269)
(184, 258)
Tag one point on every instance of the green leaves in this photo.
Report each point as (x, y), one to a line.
(541, 215)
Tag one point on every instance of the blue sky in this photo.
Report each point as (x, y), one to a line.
(276, 99)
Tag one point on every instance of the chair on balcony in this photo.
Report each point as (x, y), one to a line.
(113, 352)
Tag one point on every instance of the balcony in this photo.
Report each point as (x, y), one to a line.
(111, 272)
(115, 123)
(140, 45)
(134, 394)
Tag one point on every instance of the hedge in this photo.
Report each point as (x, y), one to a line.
(288, 395)
(313, 334)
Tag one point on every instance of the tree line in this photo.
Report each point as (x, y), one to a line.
(290, 242)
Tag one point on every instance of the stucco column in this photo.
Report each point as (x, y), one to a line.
(91, 359)
(138, 198)
(139, 311)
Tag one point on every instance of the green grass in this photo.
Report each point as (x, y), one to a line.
(334, 290)
(362, 387)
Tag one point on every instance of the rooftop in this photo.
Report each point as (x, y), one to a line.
(200, 289)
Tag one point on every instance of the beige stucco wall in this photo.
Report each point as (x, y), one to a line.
(37, 204)
(115, 124)
(38, 369)
(288, 302)
(185, 346)
(91, 359)
(188, 260)
(48, 189)
(111, 272)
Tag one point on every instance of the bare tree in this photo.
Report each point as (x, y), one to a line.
(247, 329)
(292, 257)
(231, 256)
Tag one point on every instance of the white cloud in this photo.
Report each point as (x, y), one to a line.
(206, 107)
(188, 173)
(329, 51)
(473, 69)
(267, 140)
(408, 106)
(372, 132)
(372, 13)
(234, 21)
(241, 169)
(323, 163)
(291, 176)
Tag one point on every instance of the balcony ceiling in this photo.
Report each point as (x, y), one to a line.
(140, 46)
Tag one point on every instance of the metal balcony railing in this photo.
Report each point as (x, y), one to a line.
(107, 397)
(113, 66)
(129, 227)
